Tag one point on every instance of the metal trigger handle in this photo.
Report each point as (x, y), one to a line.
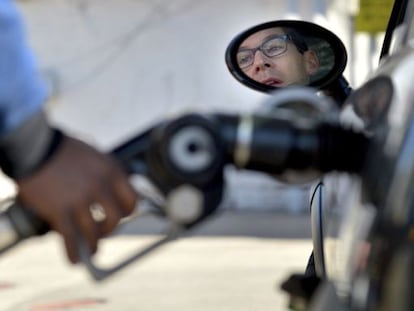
(100, 273)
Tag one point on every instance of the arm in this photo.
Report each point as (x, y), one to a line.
(57, 176)
(22, 94)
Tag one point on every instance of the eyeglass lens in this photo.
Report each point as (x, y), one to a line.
(271, 48)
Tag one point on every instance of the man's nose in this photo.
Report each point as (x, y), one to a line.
(260, 61)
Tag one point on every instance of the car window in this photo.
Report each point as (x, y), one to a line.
(395, 34)
(397, 38)
(409, 18)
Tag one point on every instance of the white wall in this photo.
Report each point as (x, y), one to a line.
(119, 65)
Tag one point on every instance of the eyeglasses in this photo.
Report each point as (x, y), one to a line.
(272, 47)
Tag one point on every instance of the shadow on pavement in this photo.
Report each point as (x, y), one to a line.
(233, 223)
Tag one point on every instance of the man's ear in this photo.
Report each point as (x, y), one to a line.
(312, 62)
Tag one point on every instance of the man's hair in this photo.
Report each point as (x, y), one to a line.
(297, 39)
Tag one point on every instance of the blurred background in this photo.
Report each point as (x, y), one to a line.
(114, 67)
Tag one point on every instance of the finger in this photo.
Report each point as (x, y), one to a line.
(113, 213)
(87, 227)
(125, 194)
(65, 225)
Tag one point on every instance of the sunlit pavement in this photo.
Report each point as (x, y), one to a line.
(234, 262)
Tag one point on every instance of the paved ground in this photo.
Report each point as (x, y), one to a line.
(233, 262)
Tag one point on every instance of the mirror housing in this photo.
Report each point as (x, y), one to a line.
(330, 51)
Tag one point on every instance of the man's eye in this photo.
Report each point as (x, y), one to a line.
(275, 48)
(243, 59)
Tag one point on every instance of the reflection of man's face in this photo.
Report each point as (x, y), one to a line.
(290, 67)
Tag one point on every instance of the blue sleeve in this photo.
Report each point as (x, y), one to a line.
(22, 91)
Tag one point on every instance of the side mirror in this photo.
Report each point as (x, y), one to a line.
(282, 53)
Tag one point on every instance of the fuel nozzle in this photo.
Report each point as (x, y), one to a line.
(297, 137)
(277, 145)
(186, 163)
